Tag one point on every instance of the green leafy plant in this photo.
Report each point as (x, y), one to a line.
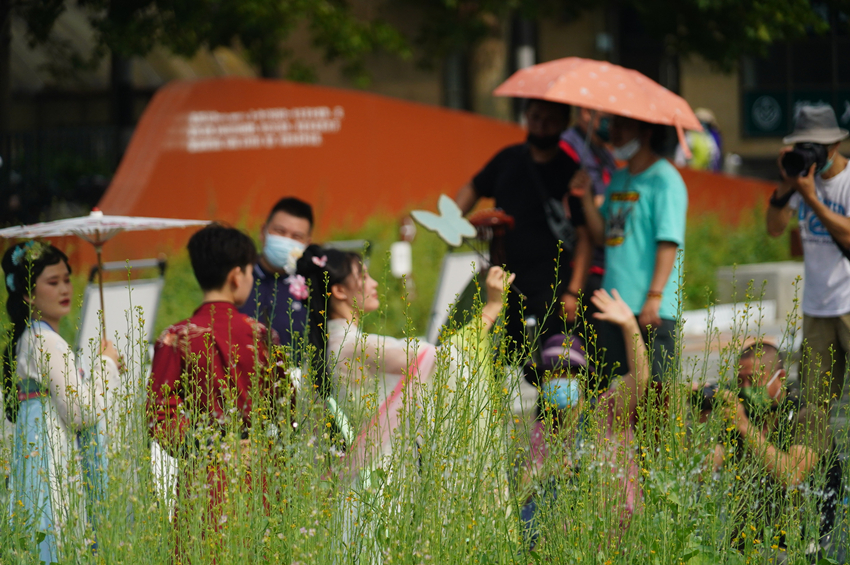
(454, 493)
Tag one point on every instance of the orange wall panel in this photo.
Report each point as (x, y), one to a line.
(375, 155)
(384, 156)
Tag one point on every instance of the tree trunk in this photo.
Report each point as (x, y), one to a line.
(669, 71)
(123, 112)
(488, 69)
(270, 60)
(524, 53)
(5, 98)
(269, 70)
(455, 83)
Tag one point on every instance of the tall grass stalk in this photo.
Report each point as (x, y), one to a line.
(453, 489)
(450, 493)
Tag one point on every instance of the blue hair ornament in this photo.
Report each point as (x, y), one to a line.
(30, 251)
(10, 282)
(18, 255)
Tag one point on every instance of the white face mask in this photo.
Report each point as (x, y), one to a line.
(770, 382)
(627, 150)
(282, 252)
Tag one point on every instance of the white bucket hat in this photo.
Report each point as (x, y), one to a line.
(816, 124)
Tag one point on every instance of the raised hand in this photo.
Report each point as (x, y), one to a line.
(612, 308)
(581, 184)
(782, 153)
(497, 281)
(107, 349)
(805, 185)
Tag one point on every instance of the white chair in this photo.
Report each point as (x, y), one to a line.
(455, 274)
(130, 307)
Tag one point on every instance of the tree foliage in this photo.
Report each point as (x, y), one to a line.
(449, 26)
(260, 27)
(721, 31)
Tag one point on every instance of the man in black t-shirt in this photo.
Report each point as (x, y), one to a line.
(517, 177)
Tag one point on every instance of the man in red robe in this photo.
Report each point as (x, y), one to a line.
(208, 373)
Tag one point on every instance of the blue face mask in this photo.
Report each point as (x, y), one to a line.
(282, 252)
(562, 393)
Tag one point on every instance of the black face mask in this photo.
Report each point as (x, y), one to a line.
(543, 142)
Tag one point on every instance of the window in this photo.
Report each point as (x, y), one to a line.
(814, 70)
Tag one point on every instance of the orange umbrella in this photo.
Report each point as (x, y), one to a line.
(605, 87)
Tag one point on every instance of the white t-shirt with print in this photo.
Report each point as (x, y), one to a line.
(827, 271)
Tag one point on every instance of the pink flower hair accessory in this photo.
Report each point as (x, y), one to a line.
(298, 287)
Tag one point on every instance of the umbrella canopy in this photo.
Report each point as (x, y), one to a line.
(96, 228)
(605, 87)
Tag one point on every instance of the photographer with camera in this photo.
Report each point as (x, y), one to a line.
(816, 183)
(780, 448)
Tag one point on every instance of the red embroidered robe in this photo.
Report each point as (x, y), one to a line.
(198, 364)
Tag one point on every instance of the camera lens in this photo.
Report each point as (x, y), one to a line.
(794, 163)
(799, 160)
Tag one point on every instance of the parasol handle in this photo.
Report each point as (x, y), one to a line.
(97, 249)
(589, 133)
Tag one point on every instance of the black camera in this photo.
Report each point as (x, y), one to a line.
(799, 160)
(703, 399)
(755, 402)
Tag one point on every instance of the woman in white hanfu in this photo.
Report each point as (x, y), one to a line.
(57, 456)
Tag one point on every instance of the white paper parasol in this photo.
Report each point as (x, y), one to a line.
(97, 229)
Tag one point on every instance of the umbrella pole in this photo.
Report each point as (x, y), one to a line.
(97, 249)
(589, 133)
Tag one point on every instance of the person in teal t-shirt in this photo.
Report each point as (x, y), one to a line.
(642, 225)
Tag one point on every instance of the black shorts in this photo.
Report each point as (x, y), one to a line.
(610, 351)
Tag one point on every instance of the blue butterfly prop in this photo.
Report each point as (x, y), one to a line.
(450, 224)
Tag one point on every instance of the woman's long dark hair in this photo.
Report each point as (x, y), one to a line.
(22, 265)
(322, 268)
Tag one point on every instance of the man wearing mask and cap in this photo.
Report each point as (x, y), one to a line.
(278, 294)
(642, 225)
(779, 443)
(816, 183)
(530, 182)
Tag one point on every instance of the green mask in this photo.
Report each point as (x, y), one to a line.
(826, 165)
(756, 398)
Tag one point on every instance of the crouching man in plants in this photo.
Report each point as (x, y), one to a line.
(211, 376)
(782, 455)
